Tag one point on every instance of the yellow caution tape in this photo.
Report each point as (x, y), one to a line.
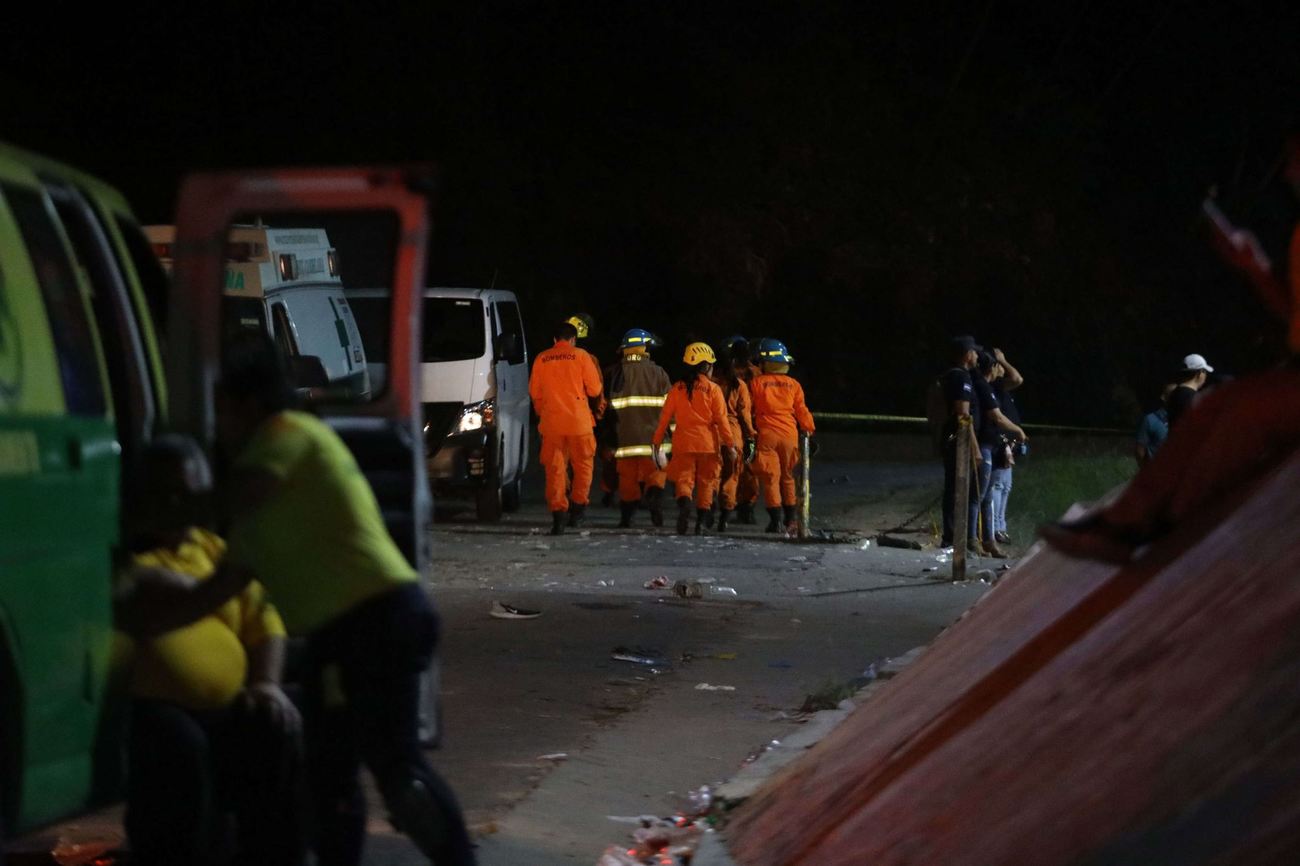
(910, 419)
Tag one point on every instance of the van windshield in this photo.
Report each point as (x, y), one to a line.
(454, 329)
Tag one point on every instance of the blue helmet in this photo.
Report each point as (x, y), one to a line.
(773, 351)
(638, 337)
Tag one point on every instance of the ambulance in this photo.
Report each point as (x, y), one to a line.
(286, 281)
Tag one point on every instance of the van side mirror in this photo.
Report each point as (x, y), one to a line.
(508, 348)
(307, 371)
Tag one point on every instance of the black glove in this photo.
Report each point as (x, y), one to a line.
(813, 446)
(750, 450)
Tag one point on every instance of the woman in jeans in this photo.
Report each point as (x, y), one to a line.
(1006, 379)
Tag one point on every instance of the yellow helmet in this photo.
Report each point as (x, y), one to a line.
(699, 353)
(582, 322)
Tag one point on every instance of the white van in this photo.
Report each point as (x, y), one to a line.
(474, 384)
(286, 281)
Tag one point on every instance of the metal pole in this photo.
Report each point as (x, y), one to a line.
(961, 498)
(805, 456)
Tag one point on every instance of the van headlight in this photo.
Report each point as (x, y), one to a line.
(476, 416)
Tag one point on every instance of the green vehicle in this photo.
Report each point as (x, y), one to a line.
(81, 388)
(83, 302)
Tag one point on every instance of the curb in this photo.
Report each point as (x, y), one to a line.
(712, 850)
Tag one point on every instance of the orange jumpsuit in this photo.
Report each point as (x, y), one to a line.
(740, 417)
(701, 434)
(562, 382)
(780, 415)
(747, 489)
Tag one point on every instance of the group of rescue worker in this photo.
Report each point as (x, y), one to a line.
(725, 432)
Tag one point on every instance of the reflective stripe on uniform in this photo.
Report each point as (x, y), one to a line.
(641, 450)
(625, 402)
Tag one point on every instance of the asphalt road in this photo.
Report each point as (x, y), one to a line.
(548, 737)
(803, 619)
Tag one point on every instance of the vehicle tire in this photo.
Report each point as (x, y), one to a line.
(488, 500)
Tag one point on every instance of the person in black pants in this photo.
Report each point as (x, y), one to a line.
(307, 523)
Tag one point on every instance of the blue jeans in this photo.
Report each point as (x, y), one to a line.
(985, 486)
(1001, 490)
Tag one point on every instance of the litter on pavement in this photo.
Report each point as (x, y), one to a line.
(666, 841)
(500, 610)
(705, 687)
(638, 656)
(663, 581)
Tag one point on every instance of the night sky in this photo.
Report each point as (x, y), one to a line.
(862, 180)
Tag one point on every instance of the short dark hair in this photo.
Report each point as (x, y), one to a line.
(565, 331)
(252, 367)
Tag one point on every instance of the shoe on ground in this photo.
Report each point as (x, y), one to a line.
(500, 610)
(1001, 537)
(577, 514)
(991, 549)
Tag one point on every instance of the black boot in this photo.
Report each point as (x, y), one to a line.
(788, 515)
(773, 520)
(654, 500)
(683, 514)
(576, 512)
(722, 520)
(626, 510)
(557, 522)
(703, 520)
(745, 514)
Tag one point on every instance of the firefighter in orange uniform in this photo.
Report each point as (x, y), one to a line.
(637, 388)
(740, 418)
(780, 416)
(747, 488)
(564, 379)
(701, 438)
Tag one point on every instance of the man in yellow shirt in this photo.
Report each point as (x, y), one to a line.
(211, 731)
(306, 522)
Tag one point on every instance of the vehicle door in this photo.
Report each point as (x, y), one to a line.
(379, 225)
(382, 224)
(59, 464)
(511, 368)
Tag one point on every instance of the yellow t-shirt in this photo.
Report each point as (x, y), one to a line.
(202, 666)
(319, 544)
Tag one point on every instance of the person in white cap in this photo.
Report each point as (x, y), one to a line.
(1190, 380)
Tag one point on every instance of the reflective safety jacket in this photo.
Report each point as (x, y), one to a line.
(779, 406)
(562, 380)
(635, 388)
(701, 419)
